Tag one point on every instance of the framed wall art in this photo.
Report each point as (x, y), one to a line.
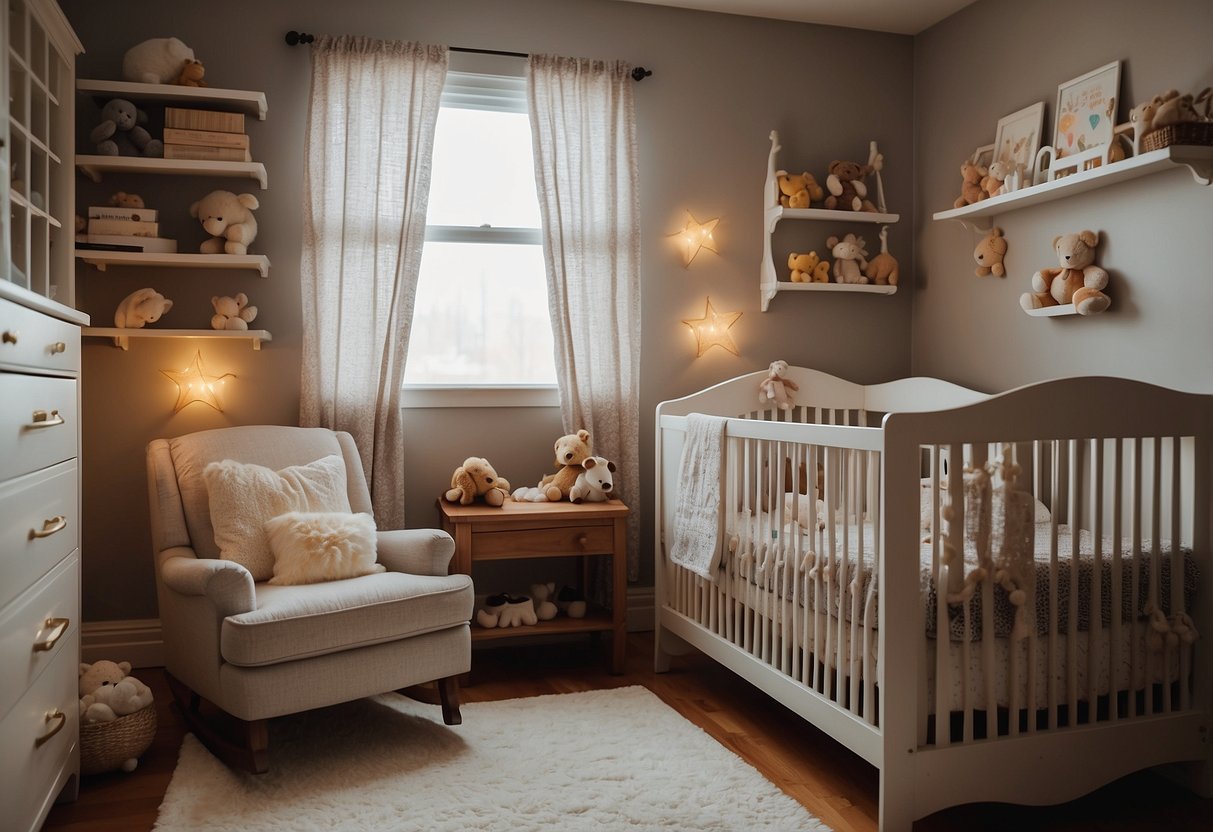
(1086, 110)
(1018, 137)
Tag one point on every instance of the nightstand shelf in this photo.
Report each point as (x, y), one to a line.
(103, 259)
(122, 336)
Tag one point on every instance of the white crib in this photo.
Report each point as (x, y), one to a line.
(1058, 653)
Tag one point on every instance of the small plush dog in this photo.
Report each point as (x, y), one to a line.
(595, 483)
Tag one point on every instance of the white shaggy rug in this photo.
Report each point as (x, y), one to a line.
(600, 760)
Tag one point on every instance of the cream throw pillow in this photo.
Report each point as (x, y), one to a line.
(321, 546)
(243, 496)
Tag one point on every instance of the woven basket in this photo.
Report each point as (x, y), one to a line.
(105, 746)
(1191, 132)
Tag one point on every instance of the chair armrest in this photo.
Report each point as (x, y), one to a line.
(416, 551)
(225, 583)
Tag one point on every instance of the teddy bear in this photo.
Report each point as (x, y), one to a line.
(775, 387)
(477, 478)
(229, 220)
(142, 306)
(846, 187)
(971, 176)
(506, 610)
(121, 132)
(850, 258)
(191, 74)
(108, 692)
(989, 254)
(808, 268)
(122, 199)
(882, 269)
(155, 61)
(232, 313)
(996, 174)
(571, 450)
(798, 190)
(1078, 280)
(595, 483)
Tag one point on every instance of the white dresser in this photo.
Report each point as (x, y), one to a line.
(39, 555)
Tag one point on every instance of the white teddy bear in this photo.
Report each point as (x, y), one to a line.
(229, 220)
(232, 313)
(142, 306)
(595, 483)
(107, 692)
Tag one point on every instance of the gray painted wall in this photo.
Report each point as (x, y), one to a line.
(720, 84)
(990, 60)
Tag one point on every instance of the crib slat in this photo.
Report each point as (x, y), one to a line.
(1155, 569)
(1135, 565)
(1075, 516)
(839, 578)
(1177, 568)
(1030, 698)
(1118, 533)
(986, 561)
(1051, 680)
(943, 734)
(1095, 624)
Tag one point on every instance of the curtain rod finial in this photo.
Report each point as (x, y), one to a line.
(293, 38)
(640, 73)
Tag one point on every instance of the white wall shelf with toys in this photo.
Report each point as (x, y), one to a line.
(249, 102)
(95, 166)
(122, 336)
(769, 284)
(1198, 160)
(102, 259)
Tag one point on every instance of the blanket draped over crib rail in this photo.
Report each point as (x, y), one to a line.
(697, 518)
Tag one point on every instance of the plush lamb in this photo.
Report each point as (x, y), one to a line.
(155, 61)
(143, 306)
(229, 220)
(595, 483)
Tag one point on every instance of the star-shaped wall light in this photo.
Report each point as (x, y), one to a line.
(194, 385)
(712, 330)
(694, 236)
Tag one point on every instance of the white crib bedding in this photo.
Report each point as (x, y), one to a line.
(755, 543)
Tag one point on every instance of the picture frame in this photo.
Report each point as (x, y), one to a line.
(1018, 138)
(1086, 110)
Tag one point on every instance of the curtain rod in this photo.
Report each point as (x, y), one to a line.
(294, 38)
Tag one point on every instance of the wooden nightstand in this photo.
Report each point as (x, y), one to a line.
(547, 530)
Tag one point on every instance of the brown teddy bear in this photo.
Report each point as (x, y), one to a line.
(971, 175)
(991, 183)
(477, 478)
(989, 254)
(1078, 280)
(847, 189)
(571, 451)
(798, 190)
(808, 268)
(191, 74)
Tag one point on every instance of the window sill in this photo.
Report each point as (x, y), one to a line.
(512, 395)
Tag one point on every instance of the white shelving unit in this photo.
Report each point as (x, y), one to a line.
(122, 336)
(94, 167)
(249, 102)
(103, 259)
(769, 284)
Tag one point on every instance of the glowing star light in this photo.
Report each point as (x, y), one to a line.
(194, 385)
(694, 236)
(712, 330)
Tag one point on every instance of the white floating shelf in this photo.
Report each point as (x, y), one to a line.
(1198, 159)
(94, 166)
(102, 259)
(1052, 311)
(778, 212)
(249, 102)
(122, 336)
(868, 288)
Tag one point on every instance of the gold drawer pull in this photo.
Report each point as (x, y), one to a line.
(56, 524)
(60, 625)
(9, 337)
(50, 716)
(58, 347)
(42, 419)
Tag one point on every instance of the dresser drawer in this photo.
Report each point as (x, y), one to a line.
(31, 340)
(36, 748)
(37, 422)
(35, 628)
(567, 540)
(30, 510)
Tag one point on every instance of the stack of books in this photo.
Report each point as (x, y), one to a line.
(112, 228)
(208, 135)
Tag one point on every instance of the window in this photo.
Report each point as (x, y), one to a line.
(481, 315)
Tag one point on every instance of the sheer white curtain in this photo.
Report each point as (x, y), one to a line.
(583, 126)
(366, 187)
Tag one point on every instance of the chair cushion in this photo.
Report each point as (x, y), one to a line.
(296, 622)
(243, 496)
(310, 547)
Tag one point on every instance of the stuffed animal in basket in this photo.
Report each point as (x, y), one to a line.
(847, 189)
(571, 450)
(1078, 280)
(142, 306)
(798, 190)
(477, 478)
(232, 313)
(971, 176)
(774, 389)
(155, 61)
(850, 259)
(107, 692)
(989, 254)
(595, 484)
(229, 220)
(808, 268)
(120, 132)
(191, 74)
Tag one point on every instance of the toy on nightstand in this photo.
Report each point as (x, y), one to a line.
(989, 254)
(477, 478)
(882, 269)
(595, 484)
(571, 450)
(1078, 280)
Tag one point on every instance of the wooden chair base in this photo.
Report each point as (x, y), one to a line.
(444, 692)
(248, 751)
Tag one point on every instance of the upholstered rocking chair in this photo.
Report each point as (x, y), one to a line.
(256, 650)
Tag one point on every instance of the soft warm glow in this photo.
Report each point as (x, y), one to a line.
(194, 385)
(694, 236)
(712, 330)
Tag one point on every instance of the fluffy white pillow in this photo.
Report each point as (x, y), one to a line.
(243, 496)
(321, 546)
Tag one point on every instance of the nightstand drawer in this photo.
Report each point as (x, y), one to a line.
(37, 423)
(36, 627)
(31, 340)
(568, 540)
(39, 526)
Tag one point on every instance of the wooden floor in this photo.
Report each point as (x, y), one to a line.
(831, 782)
